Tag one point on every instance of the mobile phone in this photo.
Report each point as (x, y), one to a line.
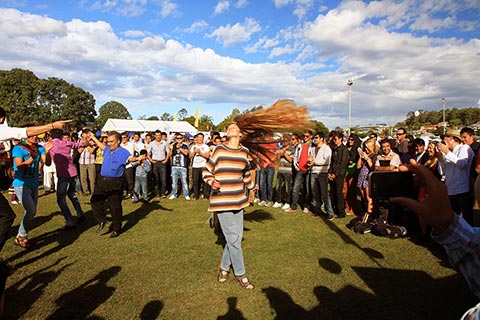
(386, 184)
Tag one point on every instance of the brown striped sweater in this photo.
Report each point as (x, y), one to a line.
(231, 168)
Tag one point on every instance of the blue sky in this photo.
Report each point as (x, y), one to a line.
(157, 56)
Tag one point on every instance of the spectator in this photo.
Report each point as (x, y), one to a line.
(267, 172)
(50, 179)
(402, 141)
(129, 175)
(468, 138)
(179, 159)
(300, 171)
(87, 165)
(158, 151)
(142, 168)
(199, 153)
(457, 160)
(351, 178)
(319, 162)
(283, 186)
(337, 172)
(366, 164)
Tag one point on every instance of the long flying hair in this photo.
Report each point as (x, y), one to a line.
(258, 127)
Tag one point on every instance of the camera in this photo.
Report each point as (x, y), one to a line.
(384, 185)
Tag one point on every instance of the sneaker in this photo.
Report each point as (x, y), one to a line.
(187, 198)
(256, 200)
(290, 210)
(305, 210)
(277, 205)
(262, 203)
(268, 204)
(14, 202)
(286, 206)
(330, 217)
(172, 196)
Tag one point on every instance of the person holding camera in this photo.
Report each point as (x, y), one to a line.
(142, 168)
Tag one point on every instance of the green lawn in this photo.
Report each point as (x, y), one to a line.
(164, 265)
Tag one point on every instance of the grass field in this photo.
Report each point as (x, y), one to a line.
(164, 266)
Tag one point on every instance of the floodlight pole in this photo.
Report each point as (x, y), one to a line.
(444, 102)
(349, 84)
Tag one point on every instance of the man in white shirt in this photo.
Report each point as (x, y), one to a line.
(199, 153)
(457, 159)
(129, 169)
(158, 150)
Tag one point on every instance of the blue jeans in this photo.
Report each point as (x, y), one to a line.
(320, 193)
(66, 187)
(297, 188)
(231, 223)
(179, 172)
(140, 188)
(266, 183)
(29, 198)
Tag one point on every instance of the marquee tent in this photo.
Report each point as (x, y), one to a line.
(169, 127)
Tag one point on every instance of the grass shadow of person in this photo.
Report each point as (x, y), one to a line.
(258, 216)
(141, 213)
(26, 291)
(64, 238)
(83, 300)
(151, 310)
(283, 305)
(233, 312)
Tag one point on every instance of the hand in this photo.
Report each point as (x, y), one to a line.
(28, 161)
(48, 146)
(60, 124)
(435, 209)
(442, 148)
(216, 185)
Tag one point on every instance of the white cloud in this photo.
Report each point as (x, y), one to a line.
(168, 7)
(228, 35)
(17, 24)
(282, 3)
(134, 34)
(197, 26)
(221, 7)
(241, 4)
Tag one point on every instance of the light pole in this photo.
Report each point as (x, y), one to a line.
(349, 84)
(444, 102)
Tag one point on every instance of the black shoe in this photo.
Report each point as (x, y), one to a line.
(101, 225)
(81, 219)
(114, 234)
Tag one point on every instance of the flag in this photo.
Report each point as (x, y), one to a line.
(196, 118)
(175, 116)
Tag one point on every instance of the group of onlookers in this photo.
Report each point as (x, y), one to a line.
(329, 175)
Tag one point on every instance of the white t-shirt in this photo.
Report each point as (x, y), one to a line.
(198, 161)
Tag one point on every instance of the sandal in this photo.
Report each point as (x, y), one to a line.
(244, 282)
(222, 275)
(21, 242)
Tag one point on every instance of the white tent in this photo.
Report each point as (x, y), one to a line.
(121, 125)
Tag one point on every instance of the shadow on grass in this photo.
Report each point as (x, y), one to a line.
(20, 296)
(151, 310)
(233, 312)
(83, 300)
(397, 294)
(258, 216)
(64, 238)
(141, 213)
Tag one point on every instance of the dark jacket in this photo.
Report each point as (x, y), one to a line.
(339, 163)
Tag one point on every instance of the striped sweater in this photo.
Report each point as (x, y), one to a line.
(231, 168)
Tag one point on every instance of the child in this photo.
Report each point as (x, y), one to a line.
(143, 167)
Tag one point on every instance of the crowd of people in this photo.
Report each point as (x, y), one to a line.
(322, 175)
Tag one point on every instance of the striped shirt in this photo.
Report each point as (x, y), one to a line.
(231, 168)
(462, 244)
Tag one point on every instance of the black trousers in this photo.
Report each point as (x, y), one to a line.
(197, 183)
(108, 189)
(160, 173)
(129, 179)
(6, 219)
(338, 201)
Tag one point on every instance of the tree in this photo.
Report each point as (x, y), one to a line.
(29, 100)
(319, 127)
(153, 118)
(182, 114)
(111, 109)
(222, 126)
(166, 117)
